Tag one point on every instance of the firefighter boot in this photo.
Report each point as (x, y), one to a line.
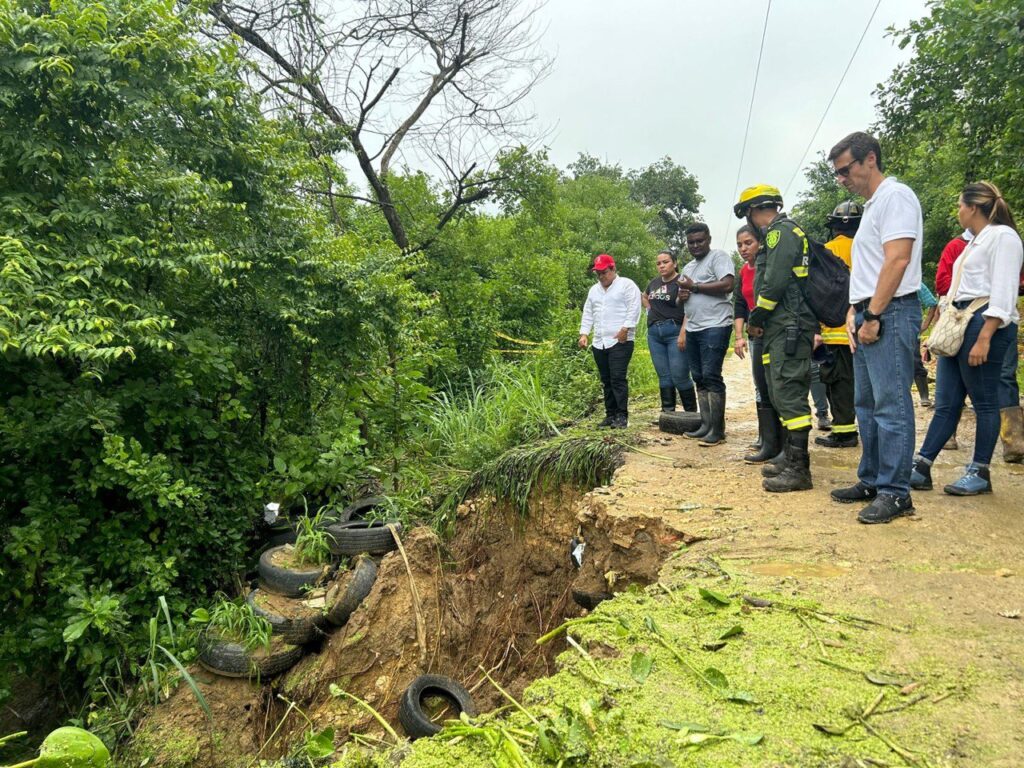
(797, 474)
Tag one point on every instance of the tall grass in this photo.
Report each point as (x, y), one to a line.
(510, 407)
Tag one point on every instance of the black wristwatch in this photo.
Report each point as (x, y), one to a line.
(695, 288)
(869, 316)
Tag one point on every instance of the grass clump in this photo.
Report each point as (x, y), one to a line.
(586, 461)
(235, 622)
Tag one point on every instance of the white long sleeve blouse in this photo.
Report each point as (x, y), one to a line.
(991, 267)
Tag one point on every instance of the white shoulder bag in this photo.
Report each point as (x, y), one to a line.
(947, 334)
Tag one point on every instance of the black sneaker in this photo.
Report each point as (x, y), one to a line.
(620, 422)
(854, 493)
(843, 440)
(606, 422)
(886, 507)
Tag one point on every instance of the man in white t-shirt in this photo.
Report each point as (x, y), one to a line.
(883, 325)
(611, 311)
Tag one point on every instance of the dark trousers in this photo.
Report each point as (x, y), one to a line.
(955, 379)
(756, 346)
(789, 379)
(837, 376)
(707, 350)
(612, 365)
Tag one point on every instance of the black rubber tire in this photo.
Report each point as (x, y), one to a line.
(285, 581)
(589, 600)
(679, 422)
(291, 631)
(358, 508)
(410, 709)
(363, 575)
(230, 659)
(358, 536)
(281, 538)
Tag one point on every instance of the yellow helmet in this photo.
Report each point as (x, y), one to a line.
(757, 196)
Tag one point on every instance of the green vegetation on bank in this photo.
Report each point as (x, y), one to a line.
(697, 670)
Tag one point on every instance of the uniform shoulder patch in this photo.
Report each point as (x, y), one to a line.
(772, 239)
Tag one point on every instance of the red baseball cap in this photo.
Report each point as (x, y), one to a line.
(603, 261)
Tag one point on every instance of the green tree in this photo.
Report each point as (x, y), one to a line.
(820, 198)
(669, 191)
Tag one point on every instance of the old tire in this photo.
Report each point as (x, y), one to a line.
(358, 585)
(286, 581)
(292, 631)
(358, 508)
(358, 536)
(678, 423)
(230, 659)
(411, 714)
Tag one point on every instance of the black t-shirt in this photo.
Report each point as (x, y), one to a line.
(662, 297)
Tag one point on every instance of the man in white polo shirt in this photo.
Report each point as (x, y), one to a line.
(611, 311)
(882, 325)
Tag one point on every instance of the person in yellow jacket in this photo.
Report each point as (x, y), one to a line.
(835, 358)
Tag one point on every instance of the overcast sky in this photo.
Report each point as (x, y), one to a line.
(635, 80)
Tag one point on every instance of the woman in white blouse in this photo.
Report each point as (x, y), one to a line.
(989, 268)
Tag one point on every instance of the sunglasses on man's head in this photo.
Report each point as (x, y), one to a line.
(845, 170)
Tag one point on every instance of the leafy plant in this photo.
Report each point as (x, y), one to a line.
(235, 621)
(311, 541)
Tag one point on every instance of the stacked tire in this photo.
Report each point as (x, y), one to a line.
(297, 603)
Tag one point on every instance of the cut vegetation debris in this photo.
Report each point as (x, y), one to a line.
(639, 686)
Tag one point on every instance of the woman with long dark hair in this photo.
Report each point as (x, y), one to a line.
(987, 274)
(769, 429)
(664, 330)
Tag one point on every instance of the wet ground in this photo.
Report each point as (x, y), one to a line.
(954, 572)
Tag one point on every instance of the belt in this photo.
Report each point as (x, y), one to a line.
(662, 322)
(963, 303)
(860, 306)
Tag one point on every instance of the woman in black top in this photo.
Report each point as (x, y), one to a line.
(665, 326)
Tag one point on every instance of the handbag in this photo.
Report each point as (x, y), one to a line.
(948, 333)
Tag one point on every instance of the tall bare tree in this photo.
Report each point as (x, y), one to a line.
(413, 80)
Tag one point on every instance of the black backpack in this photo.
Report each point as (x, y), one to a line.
(827, 286)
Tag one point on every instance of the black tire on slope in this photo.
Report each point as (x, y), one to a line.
(230, 659)
(358, 536)
(362, 577)
(410, 709)
(291, 631)
(286, 581)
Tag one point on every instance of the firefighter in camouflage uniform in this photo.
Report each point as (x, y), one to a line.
(787, 325)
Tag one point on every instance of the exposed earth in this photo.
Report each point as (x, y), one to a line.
(950, 576)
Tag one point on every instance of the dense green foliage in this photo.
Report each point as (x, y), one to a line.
(954, 113)
(187, 329)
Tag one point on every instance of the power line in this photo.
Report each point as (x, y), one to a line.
(828, 106)
(750, 107)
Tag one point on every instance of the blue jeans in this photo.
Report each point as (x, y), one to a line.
(671, 363)
(1009, 391)
(883, 374)
(955, 379)
(707, 350)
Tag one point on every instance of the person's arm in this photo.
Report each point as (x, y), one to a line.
(1005, 254)
(739, 347)
(897, 256)
(631, 298)
(681, 341)
(586, 323)
(929, 318)
(979, 352)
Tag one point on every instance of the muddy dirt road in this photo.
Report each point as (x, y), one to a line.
(948, 572)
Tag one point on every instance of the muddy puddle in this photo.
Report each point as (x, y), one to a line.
(476, 602)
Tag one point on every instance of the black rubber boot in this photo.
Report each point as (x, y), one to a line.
(705, 416)
(716, 434)
(774, 466)
(921, 382)
(769, 427)
(797, 474)
(688, 398)
(668, 399)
